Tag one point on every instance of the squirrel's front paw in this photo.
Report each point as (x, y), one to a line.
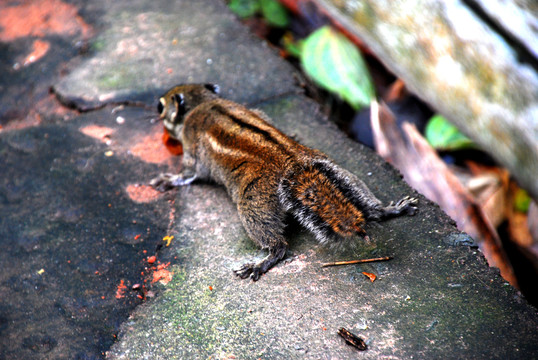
(163, 182)
(248, 269)
(407, 205)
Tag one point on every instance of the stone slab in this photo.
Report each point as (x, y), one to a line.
(148, 47)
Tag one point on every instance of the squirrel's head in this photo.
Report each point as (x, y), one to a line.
(179, 100)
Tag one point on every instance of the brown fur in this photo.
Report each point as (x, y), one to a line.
(265, 172)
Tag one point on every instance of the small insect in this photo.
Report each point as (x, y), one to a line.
(352, 339)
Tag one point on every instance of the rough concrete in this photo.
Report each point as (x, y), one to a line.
(70, 233)
(146, 48)
(436, 299)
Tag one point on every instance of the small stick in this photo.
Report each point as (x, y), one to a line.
(337, 263)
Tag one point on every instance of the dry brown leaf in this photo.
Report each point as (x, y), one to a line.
(518, 222)
(427, 173)
(396, 91)
(519, 231)
(370, 276)
(489, 187)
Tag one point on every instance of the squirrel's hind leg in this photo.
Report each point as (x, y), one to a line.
(255, 270)
(266, 228)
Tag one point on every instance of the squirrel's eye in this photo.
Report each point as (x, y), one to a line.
(180, 103)
(160, 106)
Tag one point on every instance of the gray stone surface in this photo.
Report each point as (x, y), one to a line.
(69, 234)
(148, 47)
(435, 299)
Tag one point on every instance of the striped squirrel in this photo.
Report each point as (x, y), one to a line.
(266, 173)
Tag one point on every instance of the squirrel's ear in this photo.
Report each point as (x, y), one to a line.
(179, 100)
(214, 88)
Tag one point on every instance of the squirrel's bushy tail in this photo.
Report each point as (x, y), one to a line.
(324, 200)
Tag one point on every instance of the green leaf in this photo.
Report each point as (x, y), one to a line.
(294, 48)
(522, 201)
(275, 14)
(244, 8)
(335, 64)
(442, 135)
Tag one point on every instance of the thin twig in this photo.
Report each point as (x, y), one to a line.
(337, 263)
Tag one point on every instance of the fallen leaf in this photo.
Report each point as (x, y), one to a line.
(370, 276)
(442, 135)
(150, 148)
(424, 170)
(489, 187)
(396, 92)
(168, 239)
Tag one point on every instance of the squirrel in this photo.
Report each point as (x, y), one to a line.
(266, 173)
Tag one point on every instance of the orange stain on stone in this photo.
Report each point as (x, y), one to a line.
(39, 49)
(32, 119)
(151, 148)
(97, 132)
(40, 18)
(142, 193)
(163, 276)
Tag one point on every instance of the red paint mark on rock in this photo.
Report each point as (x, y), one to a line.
(39, 49)
(32, 117)
(142, 193)
(151, 149)
(163, 276)
(97, 132)
(40, 18)
(121, 289)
